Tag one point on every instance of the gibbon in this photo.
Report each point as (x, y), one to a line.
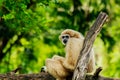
(61, 67)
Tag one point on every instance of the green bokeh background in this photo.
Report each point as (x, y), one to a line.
(29, 31)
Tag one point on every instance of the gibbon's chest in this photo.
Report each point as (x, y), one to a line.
(74, 45)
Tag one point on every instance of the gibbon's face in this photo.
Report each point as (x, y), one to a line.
(65, 38)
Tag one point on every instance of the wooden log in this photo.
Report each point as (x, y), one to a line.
(47, 76)
(39, 76)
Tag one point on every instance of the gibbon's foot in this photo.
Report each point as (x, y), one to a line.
(44, 69)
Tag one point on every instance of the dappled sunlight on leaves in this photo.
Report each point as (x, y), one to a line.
(29, 31)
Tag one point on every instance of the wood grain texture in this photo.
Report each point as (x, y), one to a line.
(81, 68)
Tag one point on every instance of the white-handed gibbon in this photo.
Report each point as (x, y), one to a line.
(61, 67)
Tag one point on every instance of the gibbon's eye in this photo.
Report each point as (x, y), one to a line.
(67, 36)
(63, 37)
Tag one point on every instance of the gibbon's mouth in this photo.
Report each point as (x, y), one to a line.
(65, 41)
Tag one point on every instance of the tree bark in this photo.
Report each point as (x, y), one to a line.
(40, 76)
(47, 76)
(81, 68)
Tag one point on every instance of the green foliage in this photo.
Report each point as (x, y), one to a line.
(29, 31)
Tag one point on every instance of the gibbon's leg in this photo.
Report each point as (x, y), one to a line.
(55, 57)
(69, 66)
(56, 69)
(59, 58)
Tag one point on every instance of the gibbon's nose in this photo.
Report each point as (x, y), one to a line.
(65, 41)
